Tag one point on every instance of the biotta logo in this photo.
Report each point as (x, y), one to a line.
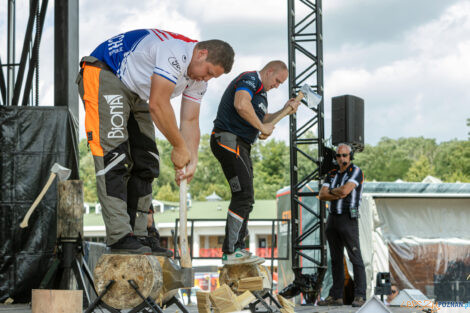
(116, 111)
(174, 62)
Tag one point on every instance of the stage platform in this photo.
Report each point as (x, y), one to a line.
(192, 308)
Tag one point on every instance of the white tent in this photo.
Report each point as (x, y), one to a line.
(213, 197)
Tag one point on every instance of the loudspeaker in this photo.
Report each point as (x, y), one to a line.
(347, 121)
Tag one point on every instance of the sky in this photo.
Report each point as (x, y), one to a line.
(408, 60)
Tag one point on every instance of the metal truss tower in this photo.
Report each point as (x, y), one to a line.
(306, 67)
(20, 85)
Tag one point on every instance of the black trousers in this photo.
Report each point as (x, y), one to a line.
(234, 157)
(343, 231)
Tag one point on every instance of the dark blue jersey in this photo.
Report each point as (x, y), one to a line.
(228, 118)
(337, 179)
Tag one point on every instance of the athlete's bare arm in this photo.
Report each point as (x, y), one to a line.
(164, 118)
(244, 107)
(189, 117)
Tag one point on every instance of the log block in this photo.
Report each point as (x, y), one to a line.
(70, 209)
(56, 301)
(287, 305)
(250, 283)
(203, 302)
(245, 298)
(145, 270)
(224, 300)
(232, 274)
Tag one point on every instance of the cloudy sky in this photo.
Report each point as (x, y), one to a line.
(408, 60)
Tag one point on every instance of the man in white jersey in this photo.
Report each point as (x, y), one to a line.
(126, 85)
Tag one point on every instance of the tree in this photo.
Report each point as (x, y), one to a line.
(166, 193)
(452, 161)
(419, 170)
(87, 172)
(468, 124)
(208, 174)
(386, 162)
(271, 168)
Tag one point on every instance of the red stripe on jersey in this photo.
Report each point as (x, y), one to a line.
(157, 35)
(260, 88)
(162, 33)
(180, 37)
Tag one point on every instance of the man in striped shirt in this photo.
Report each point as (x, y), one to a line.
(126, 85)
(343, 188)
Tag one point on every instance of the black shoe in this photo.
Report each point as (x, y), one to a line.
(129, 245)
(154, 245)
(330, 301)
(358, 301)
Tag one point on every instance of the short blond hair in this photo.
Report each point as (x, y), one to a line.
(275, 65)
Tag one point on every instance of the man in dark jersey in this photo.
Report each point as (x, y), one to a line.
(241, 117)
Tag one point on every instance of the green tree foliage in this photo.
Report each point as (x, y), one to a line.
(209, 177)
(87, 172)
(409, 159)
(166, 193)
(271, 168)
(419, 170)
(452, 161)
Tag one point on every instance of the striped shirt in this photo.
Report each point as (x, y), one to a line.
(337, 179)
(136, 55)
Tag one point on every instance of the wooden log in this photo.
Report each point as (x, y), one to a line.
(145, 270)
(233, 274)
(56, 301)
(266, 274)
(224, 300)
(250, 283)
(70, 209)
(203, 302)
(245, 298)
(287, 305)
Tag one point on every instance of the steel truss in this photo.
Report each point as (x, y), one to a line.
(16, 84)
(308, 246)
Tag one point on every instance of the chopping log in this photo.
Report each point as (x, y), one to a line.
(70, 209)
(235, 276)
(144, 270)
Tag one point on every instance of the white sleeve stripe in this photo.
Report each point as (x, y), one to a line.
(326, 185)
(355, 173)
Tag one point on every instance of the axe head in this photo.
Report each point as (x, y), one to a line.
(62, 172)
(312, 98)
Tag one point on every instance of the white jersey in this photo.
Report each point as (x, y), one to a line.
(136, 55)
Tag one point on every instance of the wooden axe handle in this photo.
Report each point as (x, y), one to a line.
(185, 257)
(286, 111)
(24, 223)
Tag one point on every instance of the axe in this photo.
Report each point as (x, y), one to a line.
(312, 98)
(185, 257)
(56, 170)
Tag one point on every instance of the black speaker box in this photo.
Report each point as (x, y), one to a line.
(347, 121)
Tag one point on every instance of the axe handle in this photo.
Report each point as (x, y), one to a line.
(24, 223)
(286, 111)
(185, 257)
